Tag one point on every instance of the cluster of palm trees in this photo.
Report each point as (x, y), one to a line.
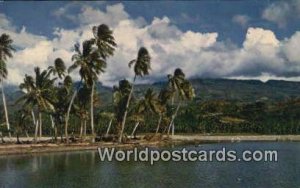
(52, 92)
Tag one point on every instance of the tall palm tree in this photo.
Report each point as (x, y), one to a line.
(80, 107)
(141, 66)
(180, 88)
(105, 41)
(92, 61)
(6, 50)
(120, 97)
(63, 93)
(40, 93)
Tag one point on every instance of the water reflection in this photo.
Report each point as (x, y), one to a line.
(84, 169)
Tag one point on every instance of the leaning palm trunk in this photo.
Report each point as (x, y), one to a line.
(135, 127)
(126, 111)
(108, 128)
(158, 124)
(5, 110)
(92, 112)
(68, 115)
(26, 133)
(171, 125)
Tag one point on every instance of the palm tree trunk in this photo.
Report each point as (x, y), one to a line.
(173, 117)
(18, 139)
(5, 109)
(26, 133)
(52, 122)
(68, 115)
(35, 123)
(81, 128)
(33, 117)
(36, 131)
(92, 112)
(84, 130)
(2, 139)
(126, 111)
(158, 124)
(135, 127)
(53, 127)
(40, 124)
(108, 128)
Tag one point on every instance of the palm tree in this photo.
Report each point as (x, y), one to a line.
(180, 88)
(59, 68)
(105, 41)
(63, 93)
(150, 104)
(6, 50)
(141, 67)
(110, 116)
(120, 97)
(40, 93)
(137, 119)
(80, 107)
(163, 97)
(92, 61)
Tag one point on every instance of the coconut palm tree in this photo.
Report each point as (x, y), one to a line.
(150, 103)
(105, 41)
(120, 97)
(40, 93)
(109, 116)
(141, 67)
(92, 61)
(63, 93)
(80, 107)
(180, 88)
(163, 97)
(6, 50)
(137, 119)
(59, 68)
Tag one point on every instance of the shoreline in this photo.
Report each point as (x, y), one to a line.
(20, 149)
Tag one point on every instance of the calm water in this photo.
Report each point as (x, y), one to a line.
(83, 169)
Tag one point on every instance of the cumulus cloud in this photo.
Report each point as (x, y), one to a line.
(262, 55)
(241, 20)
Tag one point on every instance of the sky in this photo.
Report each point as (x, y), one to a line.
(240, 39)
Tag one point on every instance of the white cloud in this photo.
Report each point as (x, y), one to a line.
(280, 12)
(291, 48)
(241, 20)
(111, 16)
(262, 55)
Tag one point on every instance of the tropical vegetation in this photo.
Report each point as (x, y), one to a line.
(55, 104)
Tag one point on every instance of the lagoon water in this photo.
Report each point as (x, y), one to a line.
(84, 169)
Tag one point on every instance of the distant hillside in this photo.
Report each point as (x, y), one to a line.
(208, 89)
